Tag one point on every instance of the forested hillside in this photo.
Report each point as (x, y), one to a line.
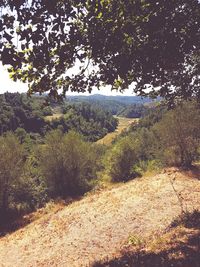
(88, 119)
(24, 114)
(125, 106)
(18, 110)
(133, 111)
(162, 138)
(103, 98)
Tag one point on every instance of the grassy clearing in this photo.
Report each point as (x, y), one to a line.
(54, 117)
(124, 123)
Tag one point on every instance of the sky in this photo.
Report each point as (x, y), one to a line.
(7, 85)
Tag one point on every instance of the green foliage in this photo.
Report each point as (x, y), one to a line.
(146, 141)
(32, 191)
(144, 166)
(133, 111)
(22, 189)
(132, 155)
(21, 134)
(47, 111)
(68, 163)
(162, 138)
(120, 160)
(154, 44)
(153, 116)
(113, 104)
(179, 135)
(26, 116)
(89, 120)
(11, 167)
(19, 111)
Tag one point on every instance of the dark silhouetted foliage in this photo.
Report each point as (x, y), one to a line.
(152, 44)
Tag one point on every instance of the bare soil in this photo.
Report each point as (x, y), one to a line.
(100, 225)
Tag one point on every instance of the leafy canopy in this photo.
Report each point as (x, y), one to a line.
(153, 44)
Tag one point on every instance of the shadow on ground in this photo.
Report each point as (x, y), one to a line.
(194, 172)
(183, 253)
(8, 226)
(13, 221)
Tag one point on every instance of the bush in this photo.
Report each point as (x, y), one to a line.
(120, 160)
(68, 163)
(22, 189)
(31, 191)
(131, 155)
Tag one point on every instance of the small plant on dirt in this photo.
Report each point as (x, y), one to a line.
(135, 240)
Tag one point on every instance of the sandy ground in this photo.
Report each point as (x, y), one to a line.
(100, 224)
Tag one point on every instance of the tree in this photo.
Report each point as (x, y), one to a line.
(11, 166)
(179, 135)
(154, 44)
(68, 164)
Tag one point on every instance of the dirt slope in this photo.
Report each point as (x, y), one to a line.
(100, 224)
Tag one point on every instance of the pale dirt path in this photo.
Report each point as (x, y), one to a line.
(99, 225)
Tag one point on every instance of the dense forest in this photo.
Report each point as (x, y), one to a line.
(133, 111)
(124, 106)
(20, 113)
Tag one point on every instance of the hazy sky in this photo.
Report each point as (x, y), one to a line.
(7, 85)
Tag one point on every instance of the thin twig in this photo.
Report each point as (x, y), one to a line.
(178, 195)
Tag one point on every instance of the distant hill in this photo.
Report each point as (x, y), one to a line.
(120, 99)
(114, 104)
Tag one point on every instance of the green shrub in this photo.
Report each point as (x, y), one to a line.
(130, 156)
(120, 160)
(68, 163)
(32, 188)
(173, 140)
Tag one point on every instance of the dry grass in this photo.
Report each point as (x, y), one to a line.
(100, 225)
(178, 246)
(124, 123)
(54, 117)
